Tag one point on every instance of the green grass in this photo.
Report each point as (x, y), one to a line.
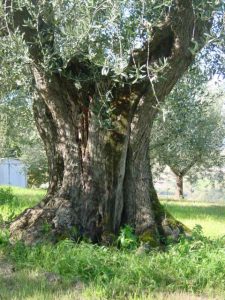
(107, 273)
(210, 216)
(87, 272)
(23, 199)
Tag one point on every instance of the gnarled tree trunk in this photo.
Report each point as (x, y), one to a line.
(100, 176)
(100, 179)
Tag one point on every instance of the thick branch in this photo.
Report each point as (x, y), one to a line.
(183, 171)
(175, 32)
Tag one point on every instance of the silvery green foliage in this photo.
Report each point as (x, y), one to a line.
(14, 64)
(189, 130)
(102, 33)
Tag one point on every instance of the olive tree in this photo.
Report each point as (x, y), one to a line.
(97, 70)
(189, 131)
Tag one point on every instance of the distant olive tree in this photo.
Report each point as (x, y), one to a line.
(189, 131)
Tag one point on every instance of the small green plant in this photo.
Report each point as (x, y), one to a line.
(4, 237)
(1, 220)
(6, 195)
(11, 215)
(197, 231)
(127, 239)
(46, 227)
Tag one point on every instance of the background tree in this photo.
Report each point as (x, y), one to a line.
(2, 134)
(20, 139)
(97, 70)
(189, 131)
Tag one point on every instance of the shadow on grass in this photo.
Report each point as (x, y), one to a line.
(24, 285)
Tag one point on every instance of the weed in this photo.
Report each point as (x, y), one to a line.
(6, 195)
(46, 227)
(127, 239)
(4, 237)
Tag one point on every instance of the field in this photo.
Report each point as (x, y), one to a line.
(210, 216)
(191, 269)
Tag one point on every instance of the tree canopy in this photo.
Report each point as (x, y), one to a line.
(108, 37)
(189, 130)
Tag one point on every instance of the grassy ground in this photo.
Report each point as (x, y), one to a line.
(210, 216)
(193, 269)
(23, 198)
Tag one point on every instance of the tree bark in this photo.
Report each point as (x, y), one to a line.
(180, 186)
(100, 175)
(179, 174)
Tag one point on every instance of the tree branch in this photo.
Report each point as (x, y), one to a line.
(37, 36)
(184, 171)
(173, 35)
